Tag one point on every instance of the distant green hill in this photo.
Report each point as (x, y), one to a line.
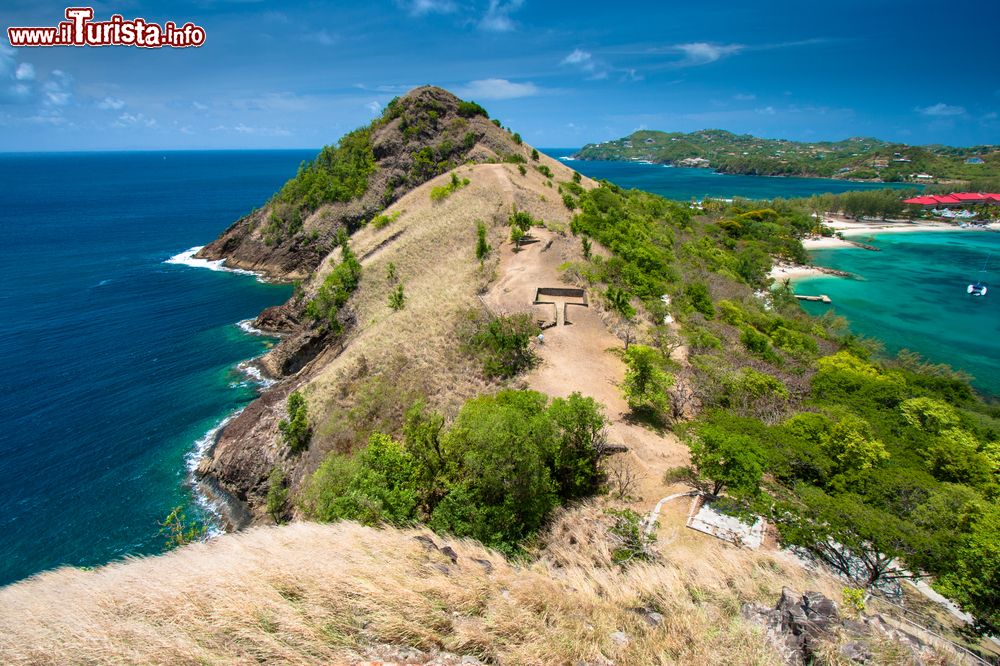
(857, 158)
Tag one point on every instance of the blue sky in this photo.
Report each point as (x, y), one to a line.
(277, 75)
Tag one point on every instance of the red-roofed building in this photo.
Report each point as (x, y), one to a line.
(954, 199)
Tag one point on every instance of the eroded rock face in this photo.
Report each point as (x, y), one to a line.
(800, 625)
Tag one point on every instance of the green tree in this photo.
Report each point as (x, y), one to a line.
(700, 299)
(587, 247)
(860, 542)
(620, 301)
(517, 139)
(277, 494)
(974, 581)
(178, 531)
(482, 247)
(295, 430)
(516, 236)
(646, 382)
(534, 154)
(730, 460)
(375, 486)
(581, 439)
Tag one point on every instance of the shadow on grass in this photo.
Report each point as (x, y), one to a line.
(649, 419)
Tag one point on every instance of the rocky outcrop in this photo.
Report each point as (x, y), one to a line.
(803, 627)
(423, 134)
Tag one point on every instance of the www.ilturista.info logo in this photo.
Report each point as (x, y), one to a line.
(79, 29)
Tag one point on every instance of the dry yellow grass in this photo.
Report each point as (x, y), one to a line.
(416, 351)
(310, 593)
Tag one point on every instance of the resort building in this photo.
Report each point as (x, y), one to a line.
(954, 200)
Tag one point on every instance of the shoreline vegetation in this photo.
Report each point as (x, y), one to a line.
(859, 159)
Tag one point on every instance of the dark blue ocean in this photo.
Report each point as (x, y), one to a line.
(115, 363)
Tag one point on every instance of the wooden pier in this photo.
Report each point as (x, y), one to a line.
(822, 298)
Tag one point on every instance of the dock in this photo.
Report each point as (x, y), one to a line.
(822, 298)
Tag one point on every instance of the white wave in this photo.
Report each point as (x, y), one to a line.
(567, 158)
(254, 373)
(205, 442)
(187, 258)
(247, 327)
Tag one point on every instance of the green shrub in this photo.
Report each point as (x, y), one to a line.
(504, 344)
(522, 170)
(295, 430)
(517, 139)
(646, 383)
(471, 109)
(631, 542)
(482, 247)
(494, 475)
(337, 287)
(569, 201)
(277, 494)
(444, 191)
(397, 299)
(534, 154)
(700, 299)
(544, 170)
(375, 486)
(338, 173)
(382, 221)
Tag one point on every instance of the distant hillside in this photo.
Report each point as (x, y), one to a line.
(857, 158)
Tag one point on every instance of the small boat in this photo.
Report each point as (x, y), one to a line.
(979, 288)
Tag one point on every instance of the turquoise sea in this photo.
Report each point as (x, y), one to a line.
(912, 295)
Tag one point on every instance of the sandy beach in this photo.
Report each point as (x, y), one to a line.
(848, 227)
(781, 272)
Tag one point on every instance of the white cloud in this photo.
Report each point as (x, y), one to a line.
(134, 120)
(586, 62)
(703, 53)
(766, 111)
(742, 97)
(497, 17)
(111, 103)
(421, 7)
(374, 107)
(198, 106)
(497, 89)
(579, 57)
(25, 72)
(241, 128)
(941, 110)
(58, 89)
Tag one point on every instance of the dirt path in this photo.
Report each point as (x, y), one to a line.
(578, 357)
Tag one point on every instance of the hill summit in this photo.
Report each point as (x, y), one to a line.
(420, 135)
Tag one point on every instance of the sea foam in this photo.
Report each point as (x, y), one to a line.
(187, 258)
